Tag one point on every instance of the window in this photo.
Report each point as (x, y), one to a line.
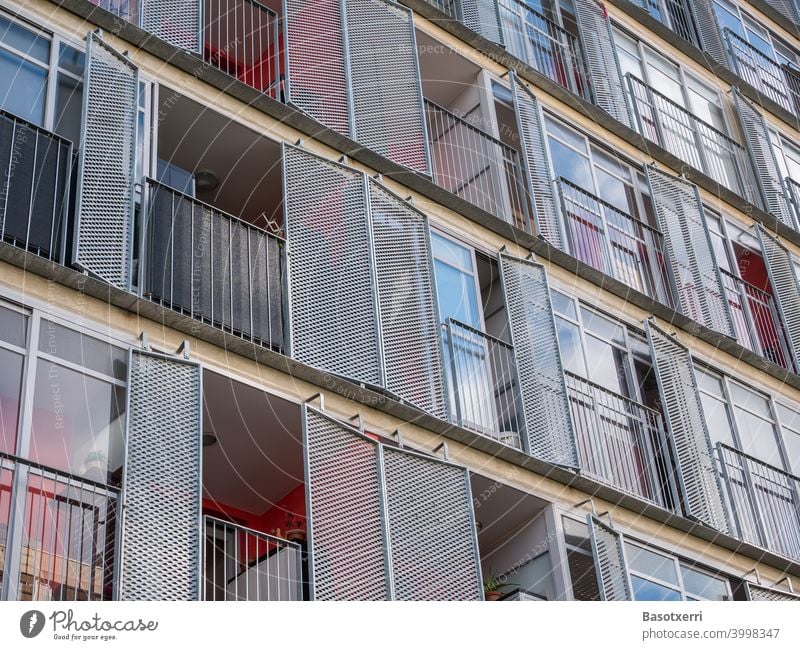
(580, 560)
(456, 281)
(790, 427)
(788, 157)
(41, 77)
(13, 334)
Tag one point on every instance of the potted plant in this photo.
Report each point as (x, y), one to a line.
(493, 585)
(295, 528)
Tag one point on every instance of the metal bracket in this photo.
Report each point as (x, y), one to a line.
(314, 397)
(443, 447)
(399, 437)
(183, 348)
(360, 420)
(144, 337)
(343, 160)
(299, 143)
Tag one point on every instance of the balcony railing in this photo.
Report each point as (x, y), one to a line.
(620, 442)
(792, 76)
(755, 320)
(763, 500)
(672, 127)
(241, 38)
(476, 166)
(483, 383)
(449, 7)
(244, 564)
(35, 172)
(545, 46)
(757, 69)
(212, 266)
(675, 14)
(611, 241)
(128, 10)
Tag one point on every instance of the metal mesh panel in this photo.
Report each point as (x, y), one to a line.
(347, 538)
(333, 311)
(686, 423)
(609, 561)
(431, 529)
(601, 59)
(787, 7)
(318, 81)
(783, 278)
(762, 155)
(108, 138)
(482, 17)
(694, 270)
(536, 162)
(756, 592)
(710, 34)
(407, 300)
(387, 97)
(160, 541)
(175, 21)
(541, 376)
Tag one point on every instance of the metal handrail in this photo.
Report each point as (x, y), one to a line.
(675, 14)
(759, 70)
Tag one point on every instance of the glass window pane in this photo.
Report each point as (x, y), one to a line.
(71, 60)
(562, 132)
(708, 382)
(717, 420)
(449, 251)
(602, 326)
(750, 400)
(576, 533)
(758, 437)
(563, 304)
(77, 423)
(652, 564)
(457, 295)
(789, 417)
(703, 585)
(10, 394)
(24, 40)
(646, 590)
(24, 84)
(606, 365)
(569, 342)
(69, 108)
(6, 480)
(792, 441)
(13, 327)
(583, 576)
(571, 165)
(84, 350)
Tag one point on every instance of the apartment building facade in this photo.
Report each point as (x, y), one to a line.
(363, 299)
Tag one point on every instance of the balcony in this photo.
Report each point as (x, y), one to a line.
(758, 70)
(483, 384)
(620, 442)
(697, 143)
(545, 46)
(613, 242)
(675, 14)
(242, 564)
(755, 320)
(214, 267)
(475, 166)
(764, 502)
(36, 168)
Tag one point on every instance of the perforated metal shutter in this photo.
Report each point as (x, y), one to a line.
(710, 33)
(767, 172)
(315, 53)
(104, 229)
(788, 8)
(609, 561)
(431, 528)
(347, 540)
(757, 592)
(601, 58)
(548, 421)
(686, 423)
(537, 163)
(331, 291)
(784, 281)
(694, 269)
(388, 113)
(482, 17)
(161, 496)
(175, 21)
(410, 327)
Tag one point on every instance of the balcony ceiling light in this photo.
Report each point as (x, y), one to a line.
(205, 180)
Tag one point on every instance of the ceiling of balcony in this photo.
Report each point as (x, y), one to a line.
(445, 74)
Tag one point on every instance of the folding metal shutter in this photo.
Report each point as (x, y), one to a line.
(767, 172)
(347, 540)
(710, 33)
(410, 327)
(318, 81)
(757, 592)
(788, 8)
(694, 269)
(548, 421)
(537, 163)
(482, 17)
(161, 495)
(331, 291)
(686, 423)
(432, 536)
(388, 114)
(104, 224)
(784, 281)
(601, 58)
(609, 561)
(175, 21)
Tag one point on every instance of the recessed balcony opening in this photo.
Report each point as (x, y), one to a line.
(254, 512)
(514, 542)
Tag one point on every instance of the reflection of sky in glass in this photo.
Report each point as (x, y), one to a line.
(646, 590)
(570, 165)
